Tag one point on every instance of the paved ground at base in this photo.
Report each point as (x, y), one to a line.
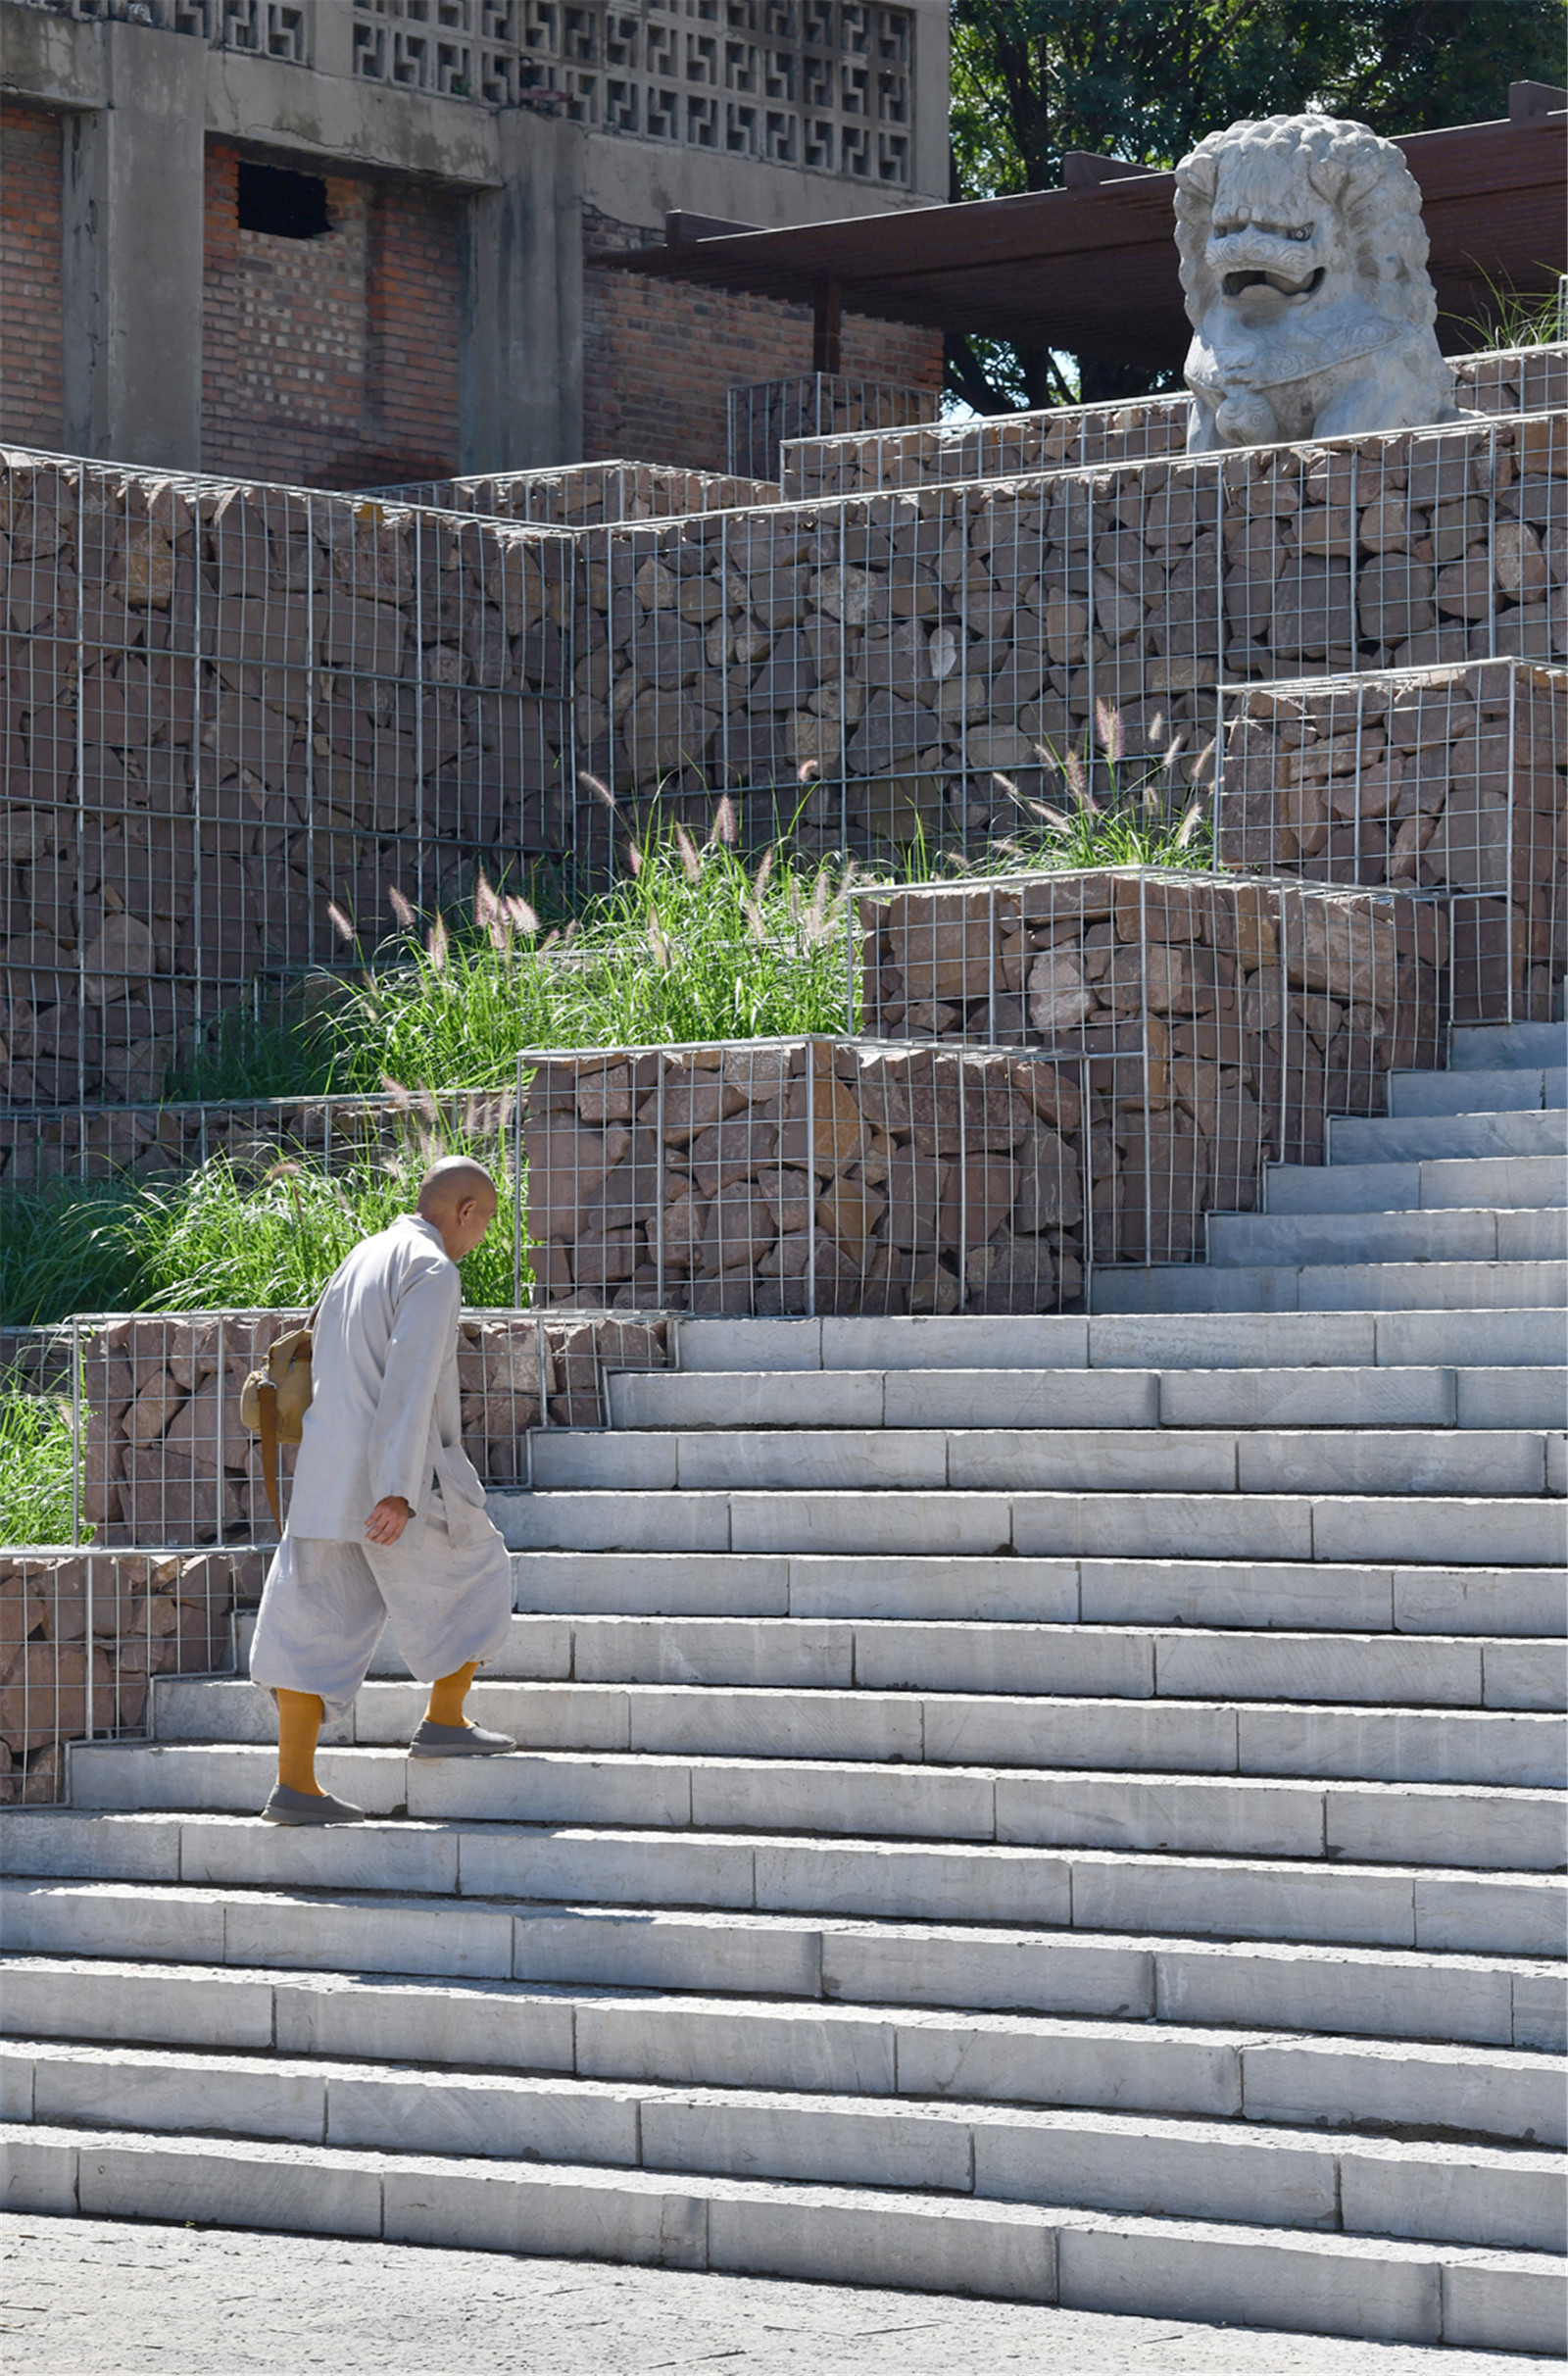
(109, 2298)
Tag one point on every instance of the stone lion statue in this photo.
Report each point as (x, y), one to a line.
(1304, 262)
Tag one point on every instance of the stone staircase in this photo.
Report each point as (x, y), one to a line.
(1055, 1807)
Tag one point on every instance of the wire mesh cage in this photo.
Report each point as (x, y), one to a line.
(802, 1176)
(838, 462)
(241, 724)
(768, 415)
(940, 668)
(152, 1448)
(257, 1141)
(587, 493)
(1216, 1023)
(85, 1633)
(1449, 779)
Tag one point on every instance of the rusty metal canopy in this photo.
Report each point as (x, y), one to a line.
(1090, 269)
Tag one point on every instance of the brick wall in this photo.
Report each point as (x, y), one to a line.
(331, 362)
(660, 358)
(31, 388)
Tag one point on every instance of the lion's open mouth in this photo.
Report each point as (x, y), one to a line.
(1237, 284)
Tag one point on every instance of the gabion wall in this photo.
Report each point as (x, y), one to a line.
(1119, 1054)
(1452, 780)
(1520, 380)
(230, 710)
(919, 665)
(242, 725)
(80, 1635)
(588, 493)
(166, 1460)
(1217, 1023)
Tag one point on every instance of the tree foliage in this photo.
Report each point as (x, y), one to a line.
(1143, 79)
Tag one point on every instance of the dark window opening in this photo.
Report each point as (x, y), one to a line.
(291, 206)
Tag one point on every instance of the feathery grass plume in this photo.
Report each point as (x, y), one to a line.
(400, 908)
(341, 924)
(1109, 732)
(38, 1464)
(726, 824)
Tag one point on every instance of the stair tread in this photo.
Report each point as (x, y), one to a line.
(264, 2153)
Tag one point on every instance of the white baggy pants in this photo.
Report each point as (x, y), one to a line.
(325, 1604)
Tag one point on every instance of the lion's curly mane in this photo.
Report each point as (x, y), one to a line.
(1366, 179)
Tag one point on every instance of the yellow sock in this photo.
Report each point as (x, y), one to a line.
(448, 1695)
(298, 1722)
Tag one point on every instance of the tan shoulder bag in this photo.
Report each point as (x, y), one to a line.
(273, 1400)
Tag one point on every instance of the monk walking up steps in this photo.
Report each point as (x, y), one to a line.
(388, 1519)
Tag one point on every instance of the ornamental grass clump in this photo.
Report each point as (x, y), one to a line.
(220, 1239)
(690, 944)
(37, 1461)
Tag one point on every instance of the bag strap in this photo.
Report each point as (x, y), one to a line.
(267, 1400)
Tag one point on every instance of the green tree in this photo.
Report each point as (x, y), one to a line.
(1143, 79)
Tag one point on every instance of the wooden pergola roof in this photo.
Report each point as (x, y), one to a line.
(1091, 267)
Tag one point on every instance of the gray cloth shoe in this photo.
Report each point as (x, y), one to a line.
(287, 1805)
(458, 1741)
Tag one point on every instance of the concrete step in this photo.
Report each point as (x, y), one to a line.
(1344, 1339)
(1428, 1908)
(1420, 1138)
(1353, 1990)
(1405, 2291)
(1511, 1182)
(1337, 1527)
(1537, 1233)
(1147, 1459)
(1491, 1047)
(1330, 1287)
(1416, 1742)
(1503, 1089)
(1507, 1602)
(1361, 1396)
(817, 1658)
(1480, 1338)
(55, 2009)
(1480, 1828)
(1246, 1593)
(985, 2142)
(923, 2100)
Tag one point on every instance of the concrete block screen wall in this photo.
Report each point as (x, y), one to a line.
(437, 308)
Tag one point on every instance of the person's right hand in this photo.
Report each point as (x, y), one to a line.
(387, 1520)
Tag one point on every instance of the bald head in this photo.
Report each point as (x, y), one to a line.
(458, 1198)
